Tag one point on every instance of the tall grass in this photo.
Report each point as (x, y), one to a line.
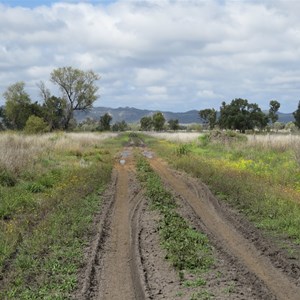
(274, 141)
(280, 143)
(20, 152)
(182, 137)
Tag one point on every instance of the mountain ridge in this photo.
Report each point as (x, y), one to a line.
(133, 115)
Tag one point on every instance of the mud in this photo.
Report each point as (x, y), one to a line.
(125, 260)
(267, 279)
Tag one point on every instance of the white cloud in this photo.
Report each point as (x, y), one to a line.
(173, 54)
(147, 76)
(157, 90)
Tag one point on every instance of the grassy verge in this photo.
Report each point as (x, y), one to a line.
(46, 214)
(187, 249)
(262, 182)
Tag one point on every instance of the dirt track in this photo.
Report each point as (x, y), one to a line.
(125, 260)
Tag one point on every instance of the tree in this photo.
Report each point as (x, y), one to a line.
(158, 120)
(3, 120)
(209, 116)
(17, 106)
(274, 107)
(54, 112)
(241, 115)
(78, 89)
(44, 91)
(296, 115)
(36, 124)
(278, 126)
(104, 123)
(173, 124)
(290, 126)
(146, 123)
(120, 126)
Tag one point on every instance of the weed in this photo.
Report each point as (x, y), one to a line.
(183, 149)
(203, 295)
(179, 294)
(7, 178)
(34, 187)
(181, 275)
(187, 249)
(194, 283)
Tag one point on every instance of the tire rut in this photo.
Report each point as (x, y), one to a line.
(281, 286)
(114, 270)
(125, 259)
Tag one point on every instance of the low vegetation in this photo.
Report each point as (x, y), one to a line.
(187, 249)
(259, 175)
(51, 185)
(50, 189)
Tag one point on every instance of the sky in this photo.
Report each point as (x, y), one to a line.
(169, 55)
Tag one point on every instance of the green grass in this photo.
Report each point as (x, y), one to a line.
(46, 218)
(263, 183)
(187, 249)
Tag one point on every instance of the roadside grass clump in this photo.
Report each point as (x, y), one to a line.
(7, 178)
(182, 149)
(194, 283)
(46, 216)
(260, 177)
(186, 248)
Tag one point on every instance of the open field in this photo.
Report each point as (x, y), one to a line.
(94, 216)
(49, 189)
(259, 175)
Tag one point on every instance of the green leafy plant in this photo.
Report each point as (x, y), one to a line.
(183, 149)
(187, 249)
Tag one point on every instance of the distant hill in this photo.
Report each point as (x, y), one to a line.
(285, 118)
(133, 115)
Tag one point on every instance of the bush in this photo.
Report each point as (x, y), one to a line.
(36, 124)
(182, 150)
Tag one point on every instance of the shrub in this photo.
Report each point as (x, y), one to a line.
(36, 124)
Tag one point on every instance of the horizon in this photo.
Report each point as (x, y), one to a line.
(158, 55)
(168, 111)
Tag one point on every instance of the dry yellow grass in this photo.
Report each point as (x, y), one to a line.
(18, 152)
(276, 141)
(183, 137)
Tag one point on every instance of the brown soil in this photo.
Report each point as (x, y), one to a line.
(125, 259)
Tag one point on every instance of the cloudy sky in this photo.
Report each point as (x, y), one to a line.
(174, 55)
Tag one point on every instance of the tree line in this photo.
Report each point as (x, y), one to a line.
(78, 91)
(155, 122)
(241, 115)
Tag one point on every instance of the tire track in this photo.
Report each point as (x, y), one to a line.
(115, 270)
(280, 285)
(89, 282)
(139, 277)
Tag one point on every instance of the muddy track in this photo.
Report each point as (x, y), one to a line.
(228, 237)
(125, 260)
(114, 269)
